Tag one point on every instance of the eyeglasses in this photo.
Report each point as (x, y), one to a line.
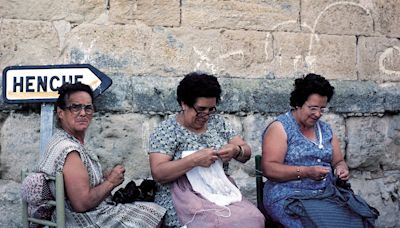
(204, 111)
(76, 108)
(315, 109)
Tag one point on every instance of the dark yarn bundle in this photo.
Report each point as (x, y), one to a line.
(131, 192)
(343, 184)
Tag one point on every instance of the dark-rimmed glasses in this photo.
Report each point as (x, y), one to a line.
(76, 108)
(204, 111)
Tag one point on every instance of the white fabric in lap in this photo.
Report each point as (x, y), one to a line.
(212, 183)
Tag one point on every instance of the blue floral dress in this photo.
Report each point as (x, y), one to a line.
(171, 138)
(301, 152)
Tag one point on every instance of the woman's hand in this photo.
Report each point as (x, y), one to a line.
(205, 157)
(116, 175)
(340, 166)
(317, 172)
(165, 170)
(342, 171)
(228, 151)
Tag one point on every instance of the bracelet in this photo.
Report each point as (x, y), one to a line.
(241, 151)
(298, 172)
(240, 154)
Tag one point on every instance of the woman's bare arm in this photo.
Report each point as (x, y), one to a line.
(76, 181)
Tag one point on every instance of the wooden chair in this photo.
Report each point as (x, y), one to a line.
(259, 187)
(259, 183)
(58, 203)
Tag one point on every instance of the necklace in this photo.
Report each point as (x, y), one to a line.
(319, 144)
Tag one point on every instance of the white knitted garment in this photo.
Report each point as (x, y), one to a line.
(212, 183)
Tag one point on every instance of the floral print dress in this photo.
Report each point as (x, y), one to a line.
(171, 138)
(301, 152)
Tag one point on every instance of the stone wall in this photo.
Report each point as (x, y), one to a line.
(256, 48)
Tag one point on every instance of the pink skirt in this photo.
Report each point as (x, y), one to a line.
(195, 211)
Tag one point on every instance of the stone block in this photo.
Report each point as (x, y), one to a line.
(337, 17)
(20, 138)
(391, 94)
(338, 126)
(390, 159)
(147, 95)
(287, 54)
(235, 122)
(219, 52)
(49, 10)
(334, 57)
(378, 59)
(162, 13)
(386, 16)
(248, 14)
(381, 193)
(118, 97)
(10, 204)
(249, 54)
(366, 142)
(122, 139)
(254, 126)
(3, 117)
(5, 106)
(245, 182)
(157, 95)
(111, 49)
(357, 97)
(254, 95)
(166, 51)
(28, 43)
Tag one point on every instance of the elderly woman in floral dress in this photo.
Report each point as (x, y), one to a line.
(197, 140)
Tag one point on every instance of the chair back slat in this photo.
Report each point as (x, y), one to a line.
(59, 204)
(259, 182)
(60, 208)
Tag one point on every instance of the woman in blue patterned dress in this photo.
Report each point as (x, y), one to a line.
(300, 153)
(197, 128)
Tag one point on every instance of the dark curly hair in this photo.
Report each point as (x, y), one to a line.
(67, 89)
(310, 84)
(195, 85)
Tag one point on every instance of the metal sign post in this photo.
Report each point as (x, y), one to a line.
(46, 125)
(39, 84)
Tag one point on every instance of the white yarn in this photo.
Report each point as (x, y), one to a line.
(212, 209)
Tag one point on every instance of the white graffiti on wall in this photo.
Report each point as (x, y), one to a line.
(269, 38)
(62, 28)
(87, 51)
(309, 58)
(209, 63)
(388, 54)
(330, 6)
